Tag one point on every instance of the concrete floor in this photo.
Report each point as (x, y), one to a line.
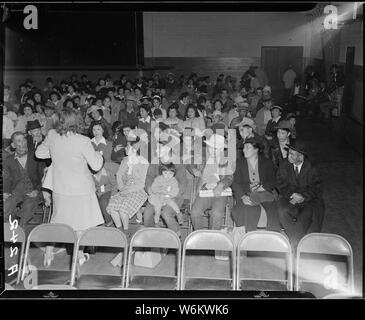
(341, 169)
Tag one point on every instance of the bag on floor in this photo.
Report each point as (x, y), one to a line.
(236, 233)
(148, 259)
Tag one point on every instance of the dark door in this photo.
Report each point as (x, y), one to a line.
(275, 61)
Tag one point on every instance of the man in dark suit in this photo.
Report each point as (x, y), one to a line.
(301, 207)
(22, 180)
(253, 183)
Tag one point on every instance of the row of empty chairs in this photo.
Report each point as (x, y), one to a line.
(182, 273)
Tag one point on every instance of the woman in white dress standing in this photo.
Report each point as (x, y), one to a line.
(74, 198)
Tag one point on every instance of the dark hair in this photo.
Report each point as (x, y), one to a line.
(40, 104)
(67, 101)
(145, 107)
(102, 125)
(201, 99)
(167, 167)
(256, 144)
(157, 112)
(217, 100)
(191, 106)
(23, 106)
(117, 125)
(183, 95)
(67, 121)
(173, 106)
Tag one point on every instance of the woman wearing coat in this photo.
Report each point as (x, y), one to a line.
(74, 199)
(253, 183)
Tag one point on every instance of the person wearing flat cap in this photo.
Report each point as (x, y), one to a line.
(247, 130)
(263, 116)
(300, 206)
(276, 112)
(253, 185)
(278, 146)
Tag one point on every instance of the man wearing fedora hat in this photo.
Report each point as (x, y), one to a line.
(300, 207)
(215, 172)
(35, 137)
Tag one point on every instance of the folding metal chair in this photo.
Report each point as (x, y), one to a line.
(47, 213)
(266, 241)
(54, 287)
(20, 238)
(212, 240)
(157, 238)
(51, 233)
(317, 244)
(107, 238)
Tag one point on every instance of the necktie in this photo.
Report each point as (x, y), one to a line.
(296, 172)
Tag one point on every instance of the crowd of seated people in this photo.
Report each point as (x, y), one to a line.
(151, 138)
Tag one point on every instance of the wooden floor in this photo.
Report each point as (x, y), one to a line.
(341, 169)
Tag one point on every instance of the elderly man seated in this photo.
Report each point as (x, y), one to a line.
(301, 207)
(215, 174)
(22, 180)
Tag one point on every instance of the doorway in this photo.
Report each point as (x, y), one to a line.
(275, 61)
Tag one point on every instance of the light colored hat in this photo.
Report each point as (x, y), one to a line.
(216, 141)
(267, 88)
(247, 122)
(239, 99)
(93, 108)
(217, 113)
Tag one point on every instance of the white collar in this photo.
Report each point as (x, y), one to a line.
(101, 141)
(147, 120)
(299, 166)
(277, 119)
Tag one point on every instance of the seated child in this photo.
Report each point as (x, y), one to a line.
(163, 191)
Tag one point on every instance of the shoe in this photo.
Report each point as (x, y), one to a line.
(85, 257)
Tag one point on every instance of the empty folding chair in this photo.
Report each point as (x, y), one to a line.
(266, 255)
(60, 271)
(324, 265)
(163, 276)
(14, 237)
(208, 273)
(98, 272)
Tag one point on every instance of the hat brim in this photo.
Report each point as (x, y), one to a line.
(296, 149)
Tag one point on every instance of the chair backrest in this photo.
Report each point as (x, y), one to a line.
(53, 232)
(264, 241)
(326, 244)
(8, 233)
(103, 237)
(155, 238)
(209, 240)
